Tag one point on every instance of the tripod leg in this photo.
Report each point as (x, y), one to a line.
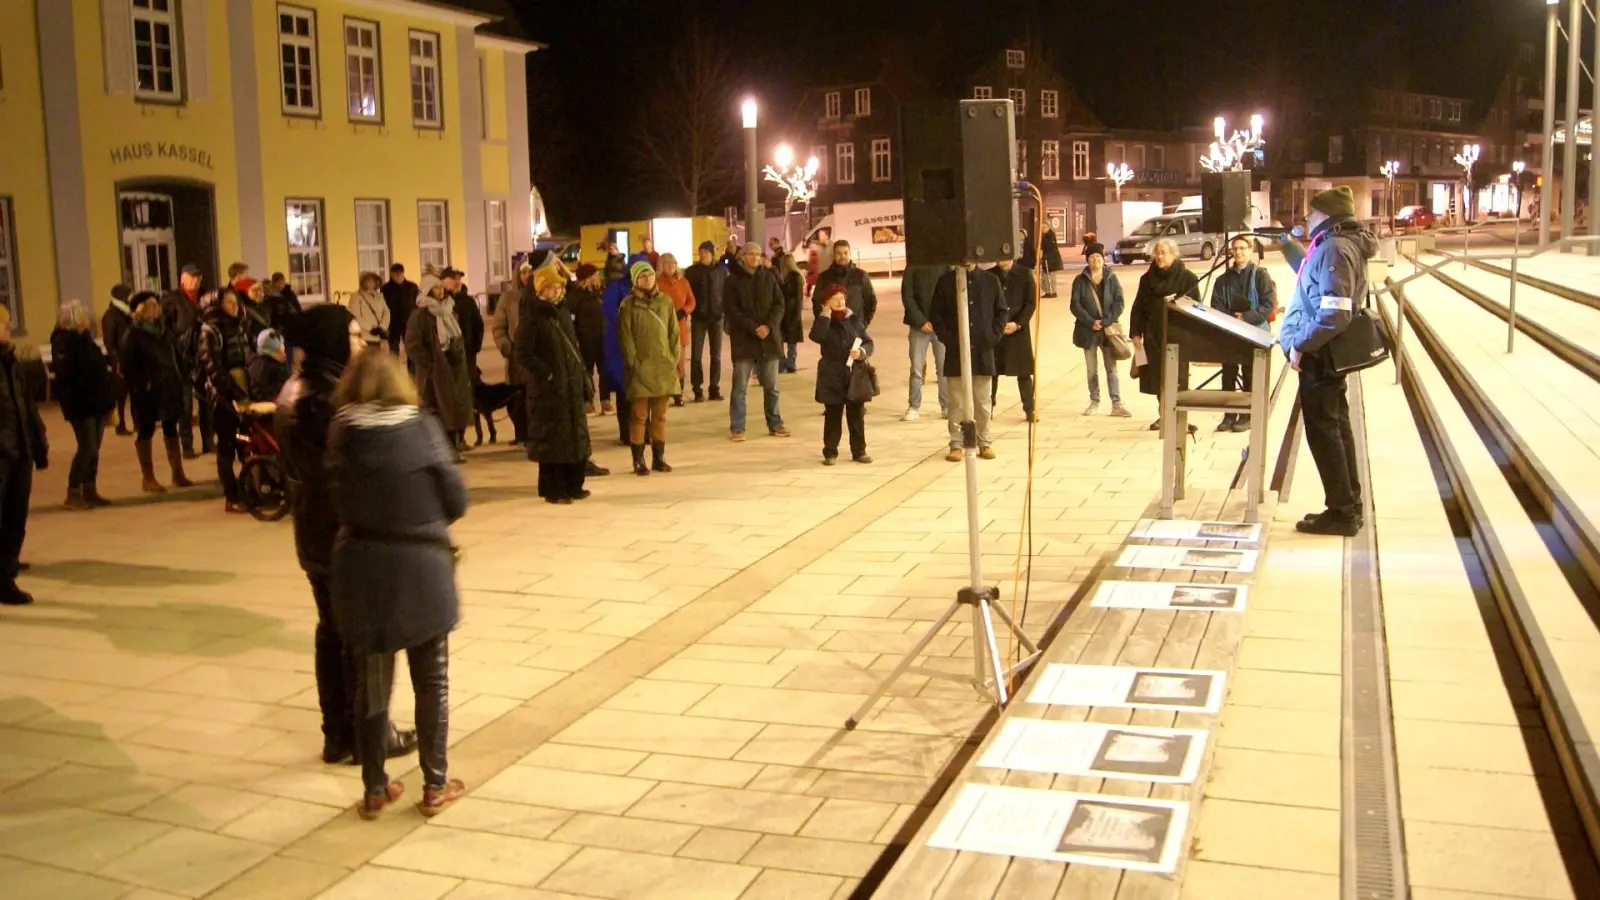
(1021, 637)
(985, 626)
(901, 667)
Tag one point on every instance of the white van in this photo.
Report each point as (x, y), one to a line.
(876, 231)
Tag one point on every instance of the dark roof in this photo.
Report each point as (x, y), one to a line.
(506, 24)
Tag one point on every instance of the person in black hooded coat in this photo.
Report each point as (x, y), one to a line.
(1014, 356)
(558, 389)
(327, 336)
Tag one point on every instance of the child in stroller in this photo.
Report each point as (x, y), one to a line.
(263, 483)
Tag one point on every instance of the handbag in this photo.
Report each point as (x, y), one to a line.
(1121, 349)
(863, 382)
(1361, 345)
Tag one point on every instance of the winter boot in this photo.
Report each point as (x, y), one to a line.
(147, 467)
(75, 499)
(639, 468)
(658, 456)
(91, 494)
(175, 460)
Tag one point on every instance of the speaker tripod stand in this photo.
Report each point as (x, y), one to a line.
(989, 672)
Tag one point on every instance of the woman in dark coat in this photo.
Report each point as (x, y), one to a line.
(155, 389)
(225, 353)
(793, 283)
(83, 386)
(1014, 356)
(436, 347)
(1166, 277)
(844, 339)
(24, 447)
(395, 490)
(558, 389)
(1097, 304)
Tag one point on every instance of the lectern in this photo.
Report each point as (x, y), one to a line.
(1196, 333)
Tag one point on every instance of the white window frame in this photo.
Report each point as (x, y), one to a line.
(307, 95)
(831, 105)
(499, 246)
(10, 292)
(427, 74)
(1050, 160)
(433, 249)
(863, 101)
(1080, 160)
(153, 18)
(357, 60)
(844, 157)
(1050, 104)
(1016, 59)
(1138, 158)
(1158, 158)
(372, 251)
(1116, 153)
(882, 160)
(982, 92)
(1019, 100)
(1022, 159)
(820, 151)
(311, 253)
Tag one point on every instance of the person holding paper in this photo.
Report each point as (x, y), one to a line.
(1166, 277)
(844, 339)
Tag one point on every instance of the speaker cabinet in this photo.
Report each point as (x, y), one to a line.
(1224, 202)
(960, 171)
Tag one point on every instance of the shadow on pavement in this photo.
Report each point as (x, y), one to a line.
(166, 629)
(202, 492)
(100, 573)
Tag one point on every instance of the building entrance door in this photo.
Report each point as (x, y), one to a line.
(148, 241)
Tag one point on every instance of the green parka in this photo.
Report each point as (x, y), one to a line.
(647, 330)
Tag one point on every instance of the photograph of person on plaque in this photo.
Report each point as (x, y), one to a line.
(1194, 596)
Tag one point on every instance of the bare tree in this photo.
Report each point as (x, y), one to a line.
(686, 140)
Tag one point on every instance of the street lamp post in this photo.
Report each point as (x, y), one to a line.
(1547, 164)
(1120, 175)
(1227, 154)
(1389, 170)
(1569, 151)
(755, 227)
(799, 182)
(1516, 250)
(1466, 159)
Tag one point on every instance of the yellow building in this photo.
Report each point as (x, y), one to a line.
(318, 138)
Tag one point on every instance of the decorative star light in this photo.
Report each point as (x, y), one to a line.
(1227, 154)
(1120, 175)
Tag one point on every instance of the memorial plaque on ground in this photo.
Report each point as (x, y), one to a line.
(1168, 595)
(1184, 690)
(1120, 832)
(1137, 556)
(1191, 530)
(1097, 750)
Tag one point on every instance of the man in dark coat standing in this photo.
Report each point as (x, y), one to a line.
(400, 295)
(181, 309)
(1245, 291)
(987, 317)
(305, 410)
(114, 327)
(1051, 249)
(23, 448)
(916, 295)
(708, 280)
(859, 295)
(755, 329)
(469, 316)
(1014, 356)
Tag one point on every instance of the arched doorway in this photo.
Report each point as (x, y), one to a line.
(164, 224)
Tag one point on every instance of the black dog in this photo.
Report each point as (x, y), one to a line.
(488, 399)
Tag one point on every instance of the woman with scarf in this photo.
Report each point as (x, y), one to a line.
(793, 284)
(844, 340)
(648, 334)
(155, 379)
(225, 365)
(672, 282)
(395, 490)
(558, 389)
(371, 310)
(83, 387)
(1166, 277)
(437, 351)
(328, 339)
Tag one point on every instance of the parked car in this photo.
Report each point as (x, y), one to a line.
(1183, 228)
(1415, 218)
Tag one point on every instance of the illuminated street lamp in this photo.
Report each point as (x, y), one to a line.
(1120, 175)
(1389, 170)
(799, 182)
(755, 223)
(1466, 159)
(1227, 154)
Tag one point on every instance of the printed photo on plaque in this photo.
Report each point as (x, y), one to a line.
(1061, 826)
(1094, 749)
(1139, 556)
(1169, 595)
(1185, 690)
(1191, 530)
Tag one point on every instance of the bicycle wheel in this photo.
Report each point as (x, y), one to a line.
(264, 489)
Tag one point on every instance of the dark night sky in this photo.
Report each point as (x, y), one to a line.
(1137, 63)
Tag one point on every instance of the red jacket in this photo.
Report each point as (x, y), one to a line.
(677, 287)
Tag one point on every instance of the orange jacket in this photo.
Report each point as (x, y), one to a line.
(677, 287)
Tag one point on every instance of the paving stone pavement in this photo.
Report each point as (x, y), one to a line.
(647, 688)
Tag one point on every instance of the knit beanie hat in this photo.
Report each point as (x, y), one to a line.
(586, 272)
(547, 277)
(832, 289)
(1335, 202)
(709, 247)
(1094, 248)
(639, 269)
(269, 341)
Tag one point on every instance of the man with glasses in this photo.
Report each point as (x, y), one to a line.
(1245, 291)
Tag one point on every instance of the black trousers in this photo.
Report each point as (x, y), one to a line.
(430, 679)
(1333, 446)
(336, 670)
(559, 480)
(855, 415)
(1024, 387)
(225, 425)
(16, 485)
(702, 333)
(1233, 374)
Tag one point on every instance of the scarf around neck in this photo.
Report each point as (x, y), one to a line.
(444, 317)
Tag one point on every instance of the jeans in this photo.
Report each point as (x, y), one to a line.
(791, 356)
(982, 390)
(920, 341)
(1329, 437)
(1024, 388)
(226, 421)
(335, 668)
(430, 680)
(651, 411)
(700, 333)
(1091, 367)
(16, 485)
(856, 415)
(86, 462)
(766, 372)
